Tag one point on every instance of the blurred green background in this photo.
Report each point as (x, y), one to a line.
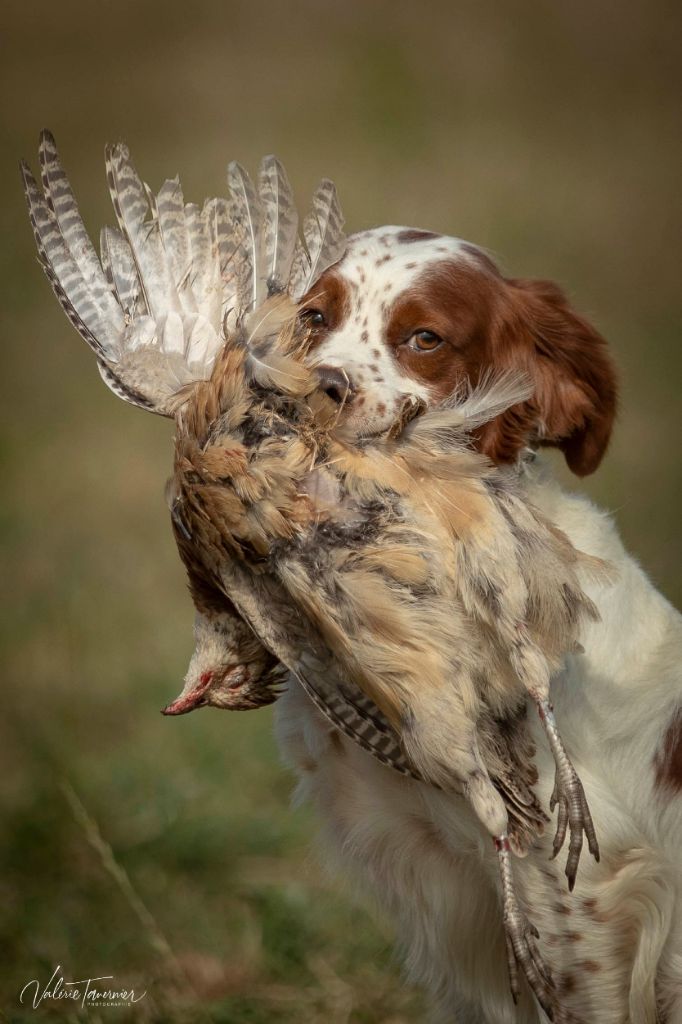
(163, 851)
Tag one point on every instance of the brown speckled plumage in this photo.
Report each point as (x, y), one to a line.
(404, 581)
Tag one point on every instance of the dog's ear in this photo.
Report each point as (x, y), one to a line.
(574, 404)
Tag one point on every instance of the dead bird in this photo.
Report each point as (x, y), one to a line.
(404, 581)
(230, 669)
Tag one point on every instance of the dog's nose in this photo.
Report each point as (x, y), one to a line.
(336, 383)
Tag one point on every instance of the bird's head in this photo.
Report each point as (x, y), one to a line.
(225, 673)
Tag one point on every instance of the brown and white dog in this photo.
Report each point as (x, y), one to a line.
(407, 312)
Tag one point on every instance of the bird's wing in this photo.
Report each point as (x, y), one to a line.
(154, 304)
(262, 603)
(507, 750)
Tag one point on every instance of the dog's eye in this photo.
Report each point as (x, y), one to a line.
(424, 341)
(312, 317)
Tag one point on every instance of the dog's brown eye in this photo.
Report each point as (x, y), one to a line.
(312, 317)
(424, 341)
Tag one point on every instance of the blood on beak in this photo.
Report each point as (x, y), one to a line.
(192, 700)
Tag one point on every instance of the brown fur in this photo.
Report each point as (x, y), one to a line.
(668, 760)
(491, 323)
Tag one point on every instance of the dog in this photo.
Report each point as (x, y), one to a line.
(412, 313)
(407, 317)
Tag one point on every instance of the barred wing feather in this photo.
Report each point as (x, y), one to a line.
(155, 303)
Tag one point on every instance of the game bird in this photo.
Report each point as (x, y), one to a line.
(401, 579)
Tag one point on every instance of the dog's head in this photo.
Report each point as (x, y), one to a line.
(411, 313)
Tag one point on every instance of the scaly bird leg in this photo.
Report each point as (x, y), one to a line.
(569, 794)
(521, 936)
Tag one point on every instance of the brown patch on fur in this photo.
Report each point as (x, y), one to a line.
(307, 764)
(566, 984)
(489, 323)
(430, 838)
(574, 404)
(573, 936)
(481, 257)
(415, 235)
(668, 758)
(330, 297)
(590, 907)
(337, 742)
(561, 908)
(589, 965)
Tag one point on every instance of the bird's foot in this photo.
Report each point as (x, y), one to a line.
(521, 937)
(574, 812)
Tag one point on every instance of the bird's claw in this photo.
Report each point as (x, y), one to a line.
(521, 939)
(574, 816)
(522, 951)
(568, 794)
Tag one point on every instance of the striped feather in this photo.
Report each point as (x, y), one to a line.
(202, 274)
(63, 272)
(170, 207)
(129, 198)
(61, 201)
(247, 217)
(279, 225)
(169, 279)
(120, 270)
(223, 234)
(224, 242)
(357, 721)
(122, 390)
(325, 241)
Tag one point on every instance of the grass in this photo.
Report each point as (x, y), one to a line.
(164, 851)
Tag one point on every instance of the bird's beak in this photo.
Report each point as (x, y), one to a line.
(196, 698)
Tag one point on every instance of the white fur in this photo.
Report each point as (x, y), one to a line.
(421, 855)
(378, 268)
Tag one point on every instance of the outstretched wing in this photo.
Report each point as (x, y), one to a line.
(154, 304)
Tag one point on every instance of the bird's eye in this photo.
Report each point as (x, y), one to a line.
(312, 317)
(424, 341)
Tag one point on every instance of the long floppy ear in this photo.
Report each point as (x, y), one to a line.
(575, 398)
